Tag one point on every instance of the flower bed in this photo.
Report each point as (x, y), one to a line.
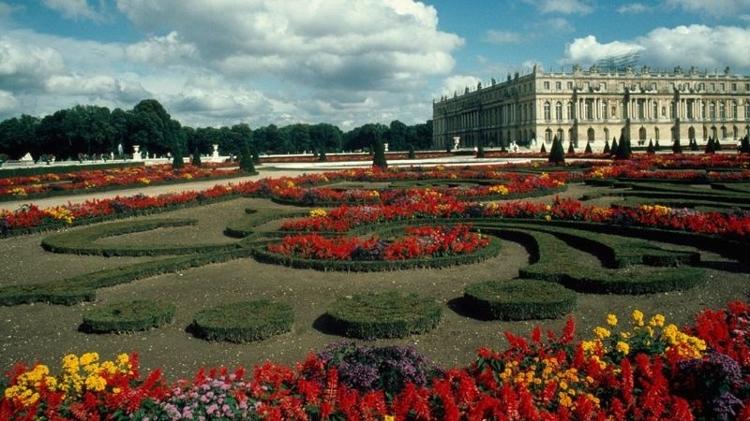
(645, 368)
(45, 185)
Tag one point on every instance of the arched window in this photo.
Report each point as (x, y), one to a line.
(548, 136)
(558, 111)
(723, 132)
(546, 112)
(589, 110)
(735, 110)
(712, 110)
(654, 110)
(722, 110)
(570, 111)
(747, 110)
(605, 105)
(656, 133)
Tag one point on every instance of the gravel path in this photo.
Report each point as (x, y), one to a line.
(150, 190)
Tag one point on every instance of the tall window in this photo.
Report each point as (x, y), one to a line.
(570, 111)
(712, 110)
(547, 111)
(546, 85)
(722, 110)
(641, 110)
(558, 111)
(703, 110)
(671, 110)
(558, 86)
(654, 110)
(589, 110)
(747, 110)
(604, 110)
(690, 105)
(570, 86)
(735, 110)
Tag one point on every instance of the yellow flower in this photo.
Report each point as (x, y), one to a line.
(95, 382)
(637, 317)
(318, 213)
(89, 358)
(499, 189)
(601, 332)
(623, 347)
(612, 320)
(657, 321)
(389, 418)
(547, 218)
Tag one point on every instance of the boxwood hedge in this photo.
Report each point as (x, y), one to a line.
(244, 321)
(383, 315)
(519, 299)
(128, 316)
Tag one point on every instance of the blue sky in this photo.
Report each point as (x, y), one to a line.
(341, 61)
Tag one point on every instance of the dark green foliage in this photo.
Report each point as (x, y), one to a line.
(650, 149)
(588, 150)
(623, 150)
(83, 241)
(128, 316)
(412, 153)
(710, 147)
(717, 145)
(606, 150)
(676, 146)
(378, 159)
(480, 150)
(26, 172)
(177, 159)
(615, 147)
(322, 155)
(543, 149)
(384, 315)
(657, 147)
(745, 144)
(693, 144)
(245, 321)
(196, 158)
(243, 227)
(519, 299)
(571, 149)
(557, 154)
(246, 159)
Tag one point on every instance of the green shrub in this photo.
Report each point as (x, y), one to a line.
(650, 149)
(557, 154)
(615, 147)
(128, 316)
(676, 147)
(83, 241)
(588, 150)
(520, 299)
(378, 159)
(543, 149)
(246, 158)
(571, 149)
(384, 315)
(745, 144)
(196, 158)
(243, 227)
(245, 321)
(606, 147)
(623, 150)
(412, 153)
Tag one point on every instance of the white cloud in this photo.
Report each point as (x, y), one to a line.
(567, 7)
(7, 102)
(162, 50)
(364, 44)
(716, 8)
(74, 9)
(633, 8)
(557, 24)
(699, 45)
(502, 37)
(458, 84)
(588, 50)
(24, 66)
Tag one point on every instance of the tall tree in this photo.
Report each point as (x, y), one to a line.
(18, 136)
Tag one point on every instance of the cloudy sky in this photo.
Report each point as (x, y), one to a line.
(347, 62)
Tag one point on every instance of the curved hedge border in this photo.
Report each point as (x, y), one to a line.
(58, 169)
(243, 226)
(262, 255)
(245, 321)
(128, 316)
(83, 241)
(556, 262)
(384, 315)
(519, 299)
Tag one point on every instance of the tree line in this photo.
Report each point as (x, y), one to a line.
(91, 131)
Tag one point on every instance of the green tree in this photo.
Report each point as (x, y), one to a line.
(571, 149)
(650, 149)
(623, 150)
(606, 147)
(676, 147)
(412, 153)
(557, 153)
(18, 136)
(745, 144)
(398, 134)
(542, 150)
(196, 158)
(710, 146)
(588, 150)
(246, 157)
(615, 147)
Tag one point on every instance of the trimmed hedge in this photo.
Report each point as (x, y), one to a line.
(384, 315)
(83, 287)
(555, 261)
(243, 226)
(83, 241)
(245, 321)
(128, 316)
(261, 254)
(520, 299)
(26, 172)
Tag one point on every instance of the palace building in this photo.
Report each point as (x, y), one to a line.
(594, 105)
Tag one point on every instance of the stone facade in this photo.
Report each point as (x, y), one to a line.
(593, 105)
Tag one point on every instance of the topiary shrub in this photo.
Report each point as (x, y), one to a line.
(520, 299)
(557, 154)
(623, 150)
(246, 158)
(606, 147)
(387, 368)
(378, 159)
(128, 316)
(650, 149)
(745, 144)
(657, 147)
(480, 150)
(710, 148)
(571, 149)
(196, 158)
(588, 150)
(412, 153)
(676, 146)
(245, 321)
(384, 315)
(177, 160)
(542, 150)
(614, 147)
